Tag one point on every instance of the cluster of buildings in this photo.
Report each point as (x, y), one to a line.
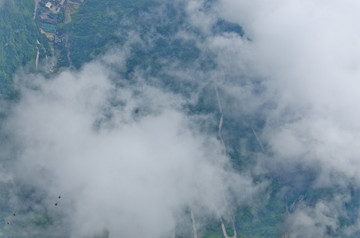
(48, 11)
(53, 12)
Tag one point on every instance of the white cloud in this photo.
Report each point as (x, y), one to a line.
(318, 220)
(308, 53)
(126, 160)
(312, 222)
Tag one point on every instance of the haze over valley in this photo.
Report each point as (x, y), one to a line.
(185, 118)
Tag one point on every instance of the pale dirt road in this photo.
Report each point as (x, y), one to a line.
(36, 7)
(225, 233)
(37, 58)
(221, 120)
(224, 146)
(193, 223)
(67, 45)
(68, 56)
(67, 13)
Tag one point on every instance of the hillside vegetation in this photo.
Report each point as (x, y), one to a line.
(18, 40)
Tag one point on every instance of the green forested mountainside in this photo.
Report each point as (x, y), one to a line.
(94, 27)
(18, 40)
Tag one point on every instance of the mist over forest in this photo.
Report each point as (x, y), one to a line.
(185, 118)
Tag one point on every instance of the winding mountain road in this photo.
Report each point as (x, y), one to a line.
(225, 233)
(224, 147)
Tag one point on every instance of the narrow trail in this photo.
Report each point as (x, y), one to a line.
(67, 13)
(68, 56)
(67, 45)
(193, 224)
(221, 121)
